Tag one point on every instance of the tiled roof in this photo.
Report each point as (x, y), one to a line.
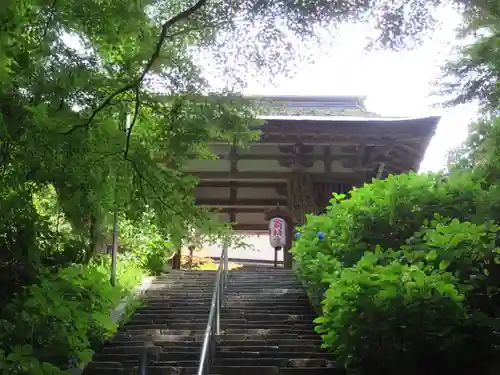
(311, 106)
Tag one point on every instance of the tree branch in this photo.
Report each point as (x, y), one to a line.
(135, 85)
(179, 17)
(188, 30)
(102, 157)
(131, 127)
(49, 21)
(141, 179)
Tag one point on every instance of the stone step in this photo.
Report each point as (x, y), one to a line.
(165, 323)
(226, 316)
(226, 313)
(230, 306)
(131, 327)
(242, 370)
(269, 298)
(270, 290)
(139, 346)
(279, 361)
(198, 337)
(195, 347)
(271, 337)
(266, 321)
(180, 293)
(267, 331)
(140, 338)
(270, 342)
(186, 325)
(194, 355)
(266, 288)
(269, 348)
(249, 331)
(176, 283)
(235, 347)
(259, 275)
(272, 279)
(254, 297)
(263, 283)
(225, 362)
(181, 311)
(263, 305)
(265, 354)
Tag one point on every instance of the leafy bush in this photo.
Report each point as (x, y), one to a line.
(467, 250)
(384, 213)
(399, 319)
(62, 317)
(409, 271)
(145, 243)
(20, 252)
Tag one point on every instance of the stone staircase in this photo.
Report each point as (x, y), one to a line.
(267, 325)
(169, 327)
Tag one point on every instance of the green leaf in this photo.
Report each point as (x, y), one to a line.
(443, 264)
(320, 320)
(431, 255)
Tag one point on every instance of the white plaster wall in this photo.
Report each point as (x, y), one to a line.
(260, 249)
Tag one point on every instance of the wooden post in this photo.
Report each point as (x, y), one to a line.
(176, 260)
(290, 223)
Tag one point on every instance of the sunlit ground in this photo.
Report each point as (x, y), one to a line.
(210, 265)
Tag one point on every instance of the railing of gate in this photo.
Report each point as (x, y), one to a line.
(213, 324)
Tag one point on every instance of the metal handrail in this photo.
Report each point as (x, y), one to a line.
(143, 363)
(213, 325)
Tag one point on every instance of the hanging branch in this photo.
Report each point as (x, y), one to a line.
(51, 15)
(135, 85)
(143, 179)
(132, 123)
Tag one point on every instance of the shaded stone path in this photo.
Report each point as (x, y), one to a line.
(267, 325)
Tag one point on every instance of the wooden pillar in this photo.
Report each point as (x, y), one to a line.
(290, 223)
(176, 260)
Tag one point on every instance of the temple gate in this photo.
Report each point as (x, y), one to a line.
(310, 147)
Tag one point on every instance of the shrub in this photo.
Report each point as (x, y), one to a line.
(397, 319)
(146, 243)
(384, 213)
(409, 270)
(62, 317)
(467, 250)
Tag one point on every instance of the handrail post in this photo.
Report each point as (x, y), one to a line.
(226, 263)
(143, 363)
(217, 316)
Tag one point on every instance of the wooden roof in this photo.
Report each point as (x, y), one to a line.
(337, 152)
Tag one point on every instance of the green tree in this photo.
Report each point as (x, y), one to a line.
(106, 101)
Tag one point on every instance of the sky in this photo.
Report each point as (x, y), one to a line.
(395, 83)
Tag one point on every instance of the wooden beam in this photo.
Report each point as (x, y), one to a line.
(319, 139)
(251, 227)
(242, 210)
(287, 160)
(241, 202)
(288, 157)
(242, 184)
(274, 176)
(324, 140)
